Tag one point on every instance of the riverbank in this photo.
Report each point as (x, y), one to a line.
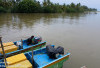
(30, 6)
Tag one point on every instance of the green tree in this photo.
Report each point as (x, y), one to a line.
(28, 6)
(33, 6)
(72, 5)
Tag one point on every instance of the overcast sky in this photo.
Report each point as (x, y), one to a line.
(89, 3)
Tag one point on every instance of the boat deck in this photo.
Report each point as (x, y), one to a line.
(25, 45)
(42, 59)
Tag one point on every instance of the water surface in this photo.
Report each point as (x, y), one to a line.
(79, 34)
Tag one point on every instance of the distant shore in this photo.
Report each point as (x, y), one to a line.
(30, 6)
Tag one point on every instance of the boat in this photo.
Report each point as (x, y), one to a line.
(12, 46)
(34, 59)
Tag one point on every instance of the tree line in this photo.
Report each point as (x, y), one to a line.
(33, 6)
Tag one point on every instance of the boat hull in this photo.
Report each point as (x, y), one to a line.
(42, 60)
(57, 63)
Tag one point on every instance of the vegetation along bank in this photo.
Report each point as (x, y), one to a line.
(33, 6)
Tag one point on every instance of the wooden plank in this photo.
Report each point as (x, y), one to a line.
(7, 44)
(16, 59)
(9, 49)
(22, 64)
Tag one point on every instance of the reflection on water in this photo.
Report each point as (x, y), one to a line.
(28, 20)
(77, 33)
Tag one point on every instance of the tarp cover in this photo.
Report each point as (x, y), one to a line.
(51, 51)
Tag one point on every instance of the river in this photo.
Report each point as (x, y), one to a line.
(78, 33)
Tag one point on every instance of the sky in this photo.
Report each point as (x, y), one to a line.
(89, 3)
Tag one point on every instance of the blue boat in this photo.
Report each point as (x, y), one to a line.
(37, 59)
(12, 46)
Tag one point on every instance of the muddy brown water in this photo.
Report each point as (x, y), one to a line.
(79, 34)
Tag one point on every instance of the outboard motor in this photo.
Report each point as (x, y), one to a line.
(29, 40)
(60, 50)
(37, 40)
(52, 52)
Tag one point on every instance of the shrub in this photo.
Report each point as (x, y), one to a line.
(2, 10)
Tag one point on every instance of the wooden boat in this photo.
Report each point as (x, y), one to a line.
(12, 46)
(41, 60)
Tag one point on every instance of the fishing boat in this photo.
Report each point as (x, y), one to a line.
(34, 59)
(12, 46)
